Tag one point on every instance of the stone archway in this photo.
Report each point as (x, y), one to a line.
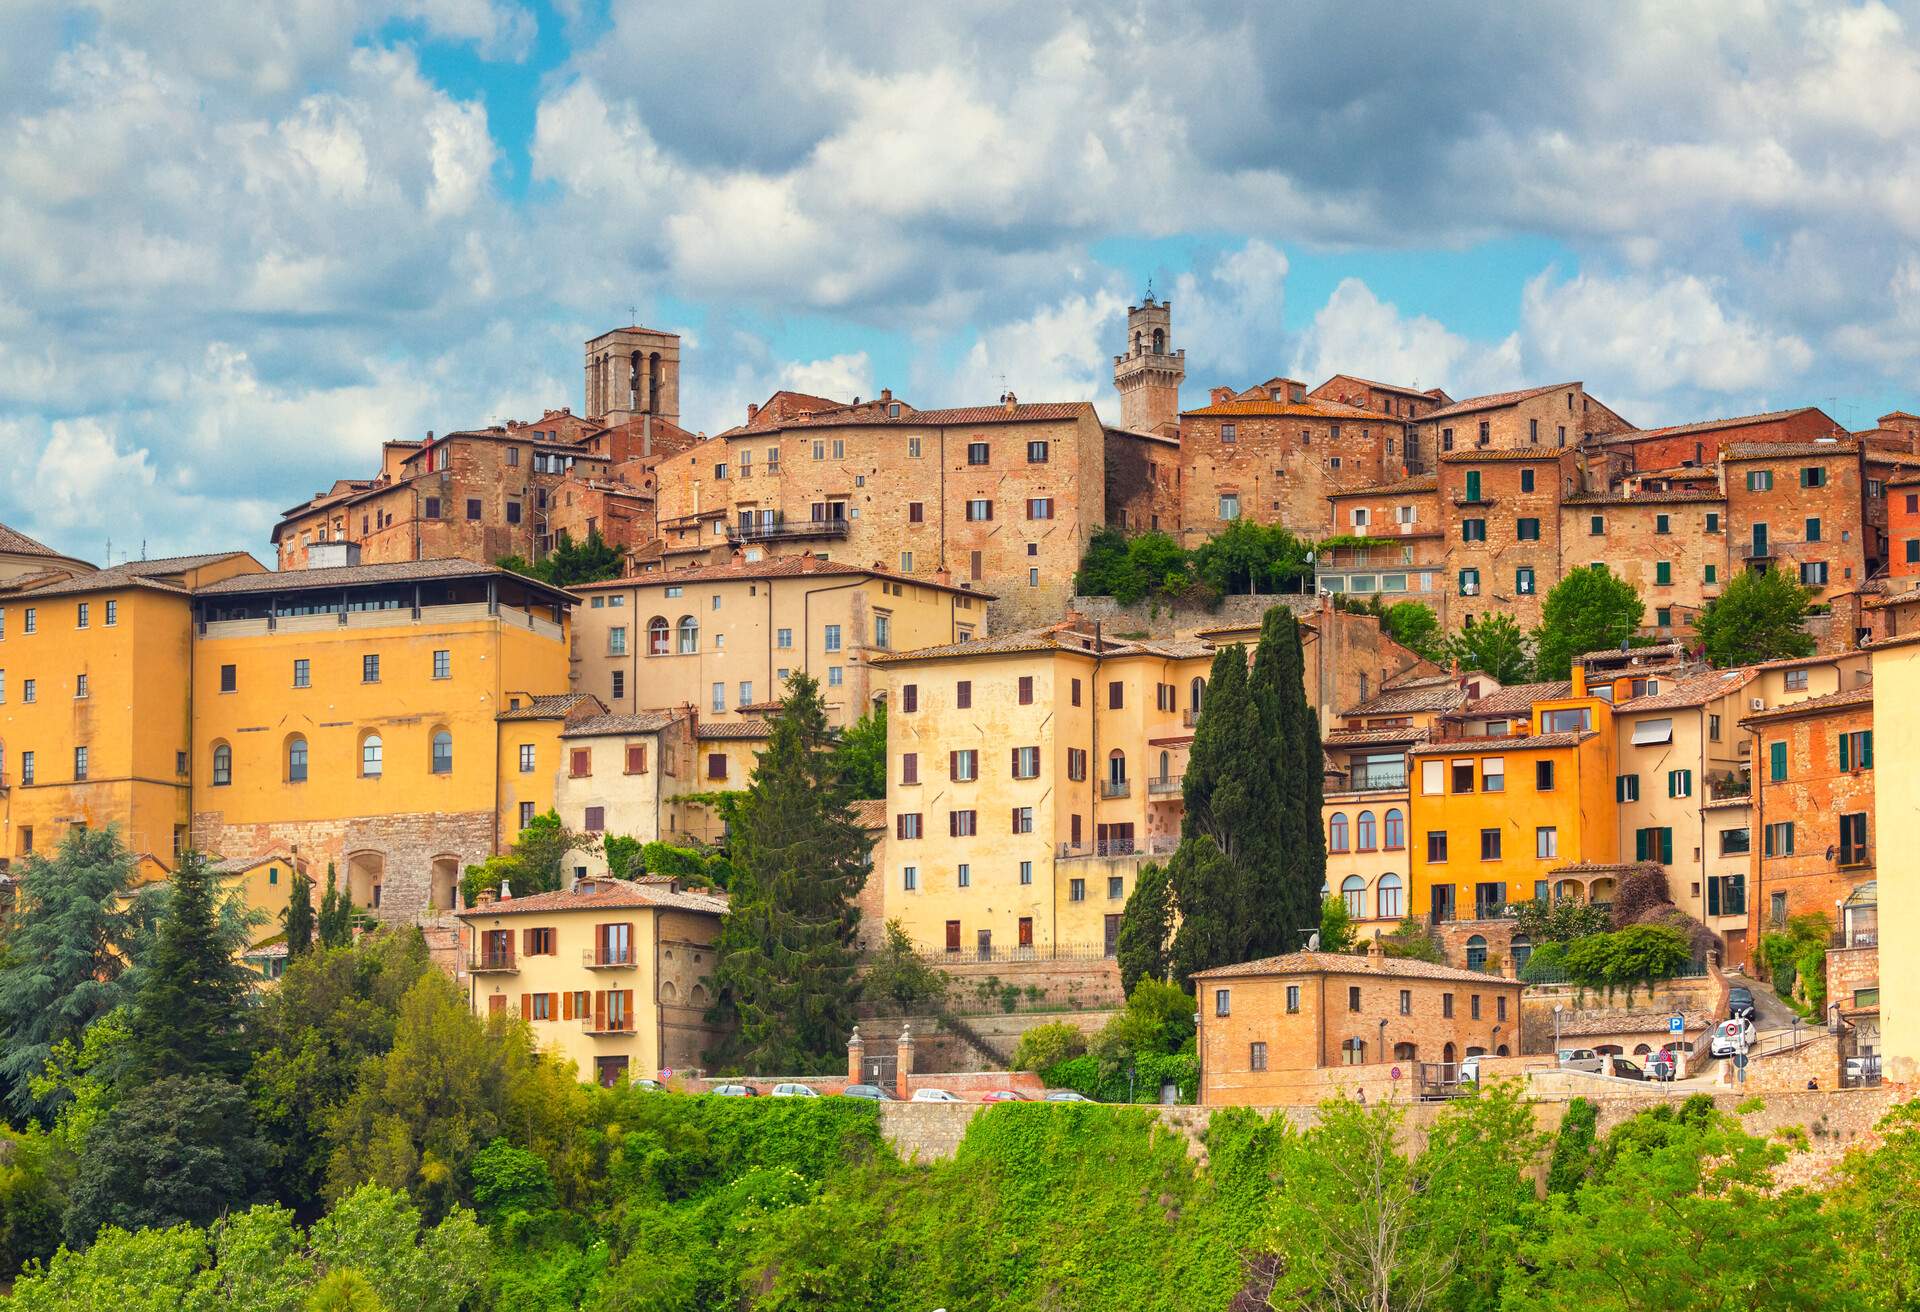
(366, 876)
(444, 884)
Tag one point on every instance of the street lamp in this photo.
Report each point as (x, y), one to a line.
(1557, 1009)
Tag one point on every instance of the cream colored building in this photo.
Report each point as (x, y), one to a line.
(623, 775)
(1029, 778)
(724, 638)
(1896, 682)
(613, 974)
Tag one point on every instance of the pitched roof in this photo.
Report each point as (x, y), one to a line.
(156, 575)
(1605, 867)
(1063, 637)
(1406, 733)
(1350, 963)
(15, 543)
(1709, 425)
(1845, 700)
(1525, 742)
(1639, 498)
(874, 415)
(397, 571)
(1633, 655)
(608, 893)
(1427, 395)
(603, 726)
(774, 567)
(1480, 455)
(1697, 690)
(1492, 401)
(546, 706)
(720, 730)
(1413, 483)
(1516, 699)
(1438, 692)
(238, 865)
(871, 813)
(1308, 409)
(1774, 450)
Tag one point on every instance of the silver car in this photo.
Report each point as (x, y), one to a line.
(795, 1091)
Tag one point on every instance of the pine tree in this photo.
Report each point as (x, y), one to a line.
(298, 917)
(785, 959)
(336, 915)
(189, 1015)
(1146, 926)
(1223, 789)
(1286, 856)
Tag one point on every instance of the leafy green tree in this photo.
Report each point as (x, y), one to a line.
(345, 1290)
(409, 1265)
(297, 919)
(1128, 569)
(1689, 1220)
(189, 1015)
(1572, 1159)
(1560, 920)
(1157, 1020)
(896, 973)
(183, 1148)
(1336, 924)
(36, 1171)
(1758, 616)
(147, 1270)
(83, 1080)
(336, 914)
(1285, 853)
(1411, 940)
(1146, 928)
(592, 561)
(861, 754)
(1494, 645)
(622, 852)
(1875, 1212)
(331, 1013)
(1589, 610)
(537, 862)
(1048, 1045)
(80, 925)
(1230, 791)
(1249, 557)
(1409, 623)
(785, 958)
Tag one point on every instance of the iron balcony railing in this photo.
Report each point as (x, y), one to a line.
(1116, 787)
(1104, 847)
(1190, 716)
(1377, 779)
(1161, 785)
(594, 960)
(782, 528)
(485, 962)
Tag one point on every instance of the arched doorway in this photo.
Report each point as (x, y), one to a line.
(446, 879)
(366, 872)
(1449, 1054)
(1476, 953)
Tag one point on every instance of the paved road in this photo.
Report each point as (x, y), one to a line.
(1773, 1014)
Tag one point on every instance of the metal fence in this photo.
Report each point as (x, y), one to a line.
(1558, 975)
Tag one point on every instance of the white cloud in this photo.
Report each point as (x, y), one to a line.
(1060, 352)
(1229, 319)
(841, 377)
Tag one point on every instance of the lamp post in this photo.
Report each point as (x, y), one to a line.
(1557, 1009)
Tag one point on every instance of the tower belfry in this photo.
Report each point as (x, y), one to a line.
(633, 372)
(1149, 374)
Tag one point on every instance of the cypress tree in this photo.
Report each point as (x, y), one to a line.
(785, 960)
(1145, 926)
(336, 915)
(1223, 791)
(298, 917)
(188, 1015)
(1286, 854)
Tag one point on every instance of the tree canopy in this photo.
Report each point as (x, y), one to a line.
(592, 561)
(1590, 609)
(189, 1015)
(1759, 616)
(861, 754)
(1495, 645)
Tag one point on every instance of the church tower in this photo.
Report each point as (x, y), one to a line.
(633, 372)
(1148, 376)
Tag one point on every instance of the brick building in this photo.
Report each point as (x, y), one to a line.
(1701, 443)
(1560, 416)
(1670, 545)
(1143, 482)
(1383, 398)
(1266, 1026)
(1813, 804)
(1503, 541)
(1149, 372)
(1003, 496)
(1799, 506)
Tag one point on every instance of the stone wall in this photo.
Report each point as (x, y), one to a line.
(1162, 619)
(1075, 984)
(1592, 1017)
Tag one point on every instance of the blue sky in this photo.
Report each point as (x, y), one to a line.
(242, 244)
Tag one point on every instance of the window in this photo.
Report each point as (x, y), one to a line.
(979, 510)
(832, 639)
(113, 613)
(1596, 526)
(1026, 763)
(689, 630)
(1353, 892)
(1679, 783)
(1813, 476)
(1363, 831)
(1489, 844)
(619, 684)
(1663, 572)
(1462, 777)
(1223, 1002)
(79, 763)
(833, 676)
(1026, 872)
(1813, 530)
(1473, 530)
(1437, 846)
(442, 752)
(1654, 843)
(1523, 580)
(1713, 521)
(746, 692)
(1353, 1052)
(26, 770)
(978, 453)
(963, 875)
(1856, 751)
(1022, 819)
(1229, 434)
(372, 756)
(80, 613)
(297, 760)
(31, 622)
(369, 669)
(222, 766)
(1026, 690)
(79, 685)
(909, 767)
(1469, 582)
(1229, 505)
(1543, 776)
(964, 766)
(1077, 890)
(473, 508)
(1796, 680)
(229, 678)
(883, 631)
(961, 824)
(718, 696)
(907, 825)
(1039, 507)
(1116, 888)
(716, 765)
(1546, 842)
(27, 688)
(1395, 835)
(1778, 839)
(1662, 523)
(1759, 480)
(1813, 573)
(1337, 833)
(1527, 530)
(909, 875)
(1776, 761)
(1626, 788)
(1853, 838)
(1526, 480)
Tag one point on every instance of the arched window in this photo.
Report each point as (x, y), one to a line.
(1117, 767)
(1159, 341)
(1391, 907)
(1520, 949)
(1363, 838)
(296, 760)
(689, 635)
(1641, 1049)
(372, 756)
(699, 995)
(1337, 832)
(442, 752)
(1501, 1051)
(1353, 891)
(1476, 953)
(1396, 834)
(1449, 1054)
(1353, 1052)
(1609, 1050)
(1197, 693)
(1405, 1052)
(1166, 765)
(657, 630)
(222, 765)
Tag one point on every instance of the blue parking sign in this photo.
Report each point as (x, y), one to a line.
(1676, 1024)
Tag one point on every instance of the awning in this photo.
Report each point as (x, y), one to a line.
(1652, 731)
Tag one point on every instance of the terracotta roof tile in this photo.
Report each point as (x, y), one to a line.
(1350, 963)
(1632, 656)
(774, 567)
(1518, 699)
(1677, 497)
(1776, 450)
(547, 706)
(157, 575)
(1416, 483)
(608, 893)
(1695, 691)
(397, 571)
(15, 543)
(1528, 742)
(1832, 701)
(871, 813)
(603, 726)
(1492, 401)
(874, 415)
(1305, 409)
(1483, 454)
(1707, 426)
(1440, 692)
(1370, 737)
(722, 730)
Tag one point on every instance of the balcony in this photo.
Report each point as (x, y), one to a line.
(593, 960)
(606, 1026)
(1110, 788)
(1729, 789)
(492, 963)
(1165, 785)
(1190, 716)
(1364, 780)
(787, 530)
(1756, 551)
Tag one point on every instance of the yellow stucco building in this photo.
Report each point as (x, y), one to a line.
(613, 974)
(1029, 777)
(1896, 683)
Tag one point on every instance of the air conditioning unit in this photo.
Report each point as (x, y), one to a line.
(1757, 704)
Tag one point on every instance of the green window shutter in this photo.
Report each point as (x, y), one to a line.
(1666, 846)
(1620, 788)
(1473, 485)
(1788, 851)
(1713, 897)
(1777, 760)
(1663, 571)
(1639, 845)
(1866, 750)
(1845, 743)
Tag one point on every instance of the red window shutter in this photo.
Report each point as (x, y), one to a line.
(599, 1009)
(526, 1006)
(910, 697)
(626, 1010)
(1026, 690)
(629, 949)
(953, 765)
(973, 562)
(526, 941)
(1016, 763)
(1014, 821)
(566, 1005)
(963, 694)
(496, 1004)
(553, 1006)
(636, 759)
(578, 763)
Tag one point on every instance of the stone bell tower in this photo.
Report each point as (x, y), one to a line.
(1149, 374)
(633, 372)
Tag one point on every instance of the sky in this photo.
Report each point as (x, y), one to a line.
(242, 244)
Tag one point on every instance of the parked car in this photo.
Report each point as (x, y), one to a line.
(1580, 1059)
(1470, 1070)
(795, 1091)
(1739, 1002)
(652, 1086)
(1730, 1036)
(1624, 1069)
(871, 1092)
(1662, 1065)
(735, 1091)
(1004, 1095)
(935, 1095)
(1064, 1095)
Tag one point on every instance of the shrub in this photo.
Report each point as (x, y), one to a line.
(1086, 1075)
(1158, 1019)
(1048, 1045)
(1410, 941)
(1548, 962)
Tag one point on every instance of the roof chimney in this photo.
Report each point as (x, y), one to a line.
(1012, 401)
(886, 394)
(485, 898)
(1375, 953)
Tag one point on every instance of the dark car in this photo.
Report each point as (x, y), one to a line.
(1626, 1070)
(1739, 1003)
(871, 1092)
(1004, 1095)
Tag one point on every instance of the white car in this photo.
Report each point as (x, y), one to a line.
(935, 1095)
(795, 1091)
(1731, 1036)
